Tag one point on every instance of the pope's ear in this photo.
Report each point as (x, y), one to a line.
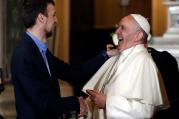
(139, 36)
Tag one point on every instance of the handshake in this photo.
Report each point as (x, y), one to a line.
(83, 108)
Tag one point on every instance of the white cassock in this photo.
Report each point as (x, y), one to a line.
(131, 85)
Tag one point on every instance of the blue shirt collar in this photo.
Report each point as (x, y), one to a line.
(42, 46)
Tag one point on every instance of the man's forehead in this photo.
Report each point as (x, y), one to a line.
(51, 7)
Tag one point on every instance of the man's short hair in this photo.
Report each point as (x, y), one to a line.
(31, 9)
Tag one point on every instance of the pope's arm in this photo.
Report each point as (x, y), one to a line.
(120, 107)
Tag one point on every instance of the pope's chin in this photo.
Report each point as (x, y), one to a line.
(120, 41)
(121, 45)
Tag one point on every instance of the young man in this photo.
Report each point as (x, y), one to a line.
(35, 69)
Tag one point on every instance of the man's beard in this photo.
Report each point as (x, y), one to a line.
(49, 34)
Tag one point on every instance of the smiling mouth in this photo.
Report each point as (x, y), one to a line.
(120, 39)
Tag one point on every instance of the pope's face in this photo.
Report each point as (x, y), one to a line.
(126, 32)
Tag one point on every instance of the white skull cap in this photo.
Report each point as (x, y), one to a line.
(144, 24)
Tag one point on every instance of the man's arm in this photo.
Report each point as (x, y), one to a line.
(80, 73)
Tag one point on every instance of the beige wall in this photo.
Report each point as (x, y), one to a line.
(62, 33)
(159, 18)
(1, 36)
(62, 40)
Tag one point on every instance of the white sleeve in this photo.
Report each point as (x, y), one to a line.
(121, 108)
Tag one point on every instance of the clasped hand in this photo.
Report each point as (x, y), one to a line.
(99, 99)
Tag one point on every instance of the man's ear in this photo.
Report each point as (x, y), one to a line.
(40, 17)
(139, 36)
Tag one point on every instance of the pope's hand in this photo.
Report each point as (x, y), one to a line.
(97, 98)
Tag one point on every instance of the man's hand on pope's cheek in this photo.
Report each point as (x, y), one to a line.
(112, 50)
(97, 98)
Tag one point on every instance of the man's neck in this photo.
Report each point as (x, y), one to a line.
(37, 33)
